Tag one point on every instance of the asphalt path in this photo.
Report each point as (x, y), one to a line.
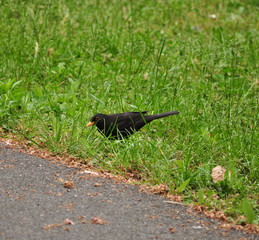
(44, 200)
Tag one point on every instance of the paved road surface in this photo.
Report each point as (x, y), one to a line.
(35, 205)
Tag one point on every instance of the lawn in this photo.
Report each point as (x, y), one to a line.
(64, 61)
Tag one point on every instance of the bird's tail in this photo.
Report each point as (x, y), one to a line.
(160, 115)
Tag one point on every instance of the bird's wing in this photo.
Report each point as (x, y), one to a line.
(131, 121)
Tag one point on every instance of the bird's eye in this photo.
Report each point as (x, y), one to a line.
(97, 118)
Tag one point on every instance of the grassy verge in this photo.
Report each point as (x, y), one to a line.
(63, 61)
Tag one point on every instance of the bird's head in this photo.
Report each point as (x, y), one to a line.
(94, 119)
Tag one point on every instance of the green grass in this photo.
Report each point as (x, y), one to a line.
(63, 61)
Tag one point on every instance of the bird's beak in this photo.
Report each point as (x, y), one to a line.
(90, 124)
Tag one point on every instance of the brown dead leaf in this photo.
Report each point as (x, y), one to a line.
(216, 215)
(48, 227)
(82, 218)
(158, 189)
(94, 194)
(69, 184)
(172, 229)
(60, 180)
(20, 197)
(97, 184)
(218, 174)
(204, 223)
(69, 222)
(98, 220)
(7, 166)
(68, 206)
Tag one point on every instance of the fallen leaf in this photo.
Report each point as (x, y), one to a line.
(97, 185)
(94, 194)
(69, 184)
(68, 206)
(48, 227)
(97, 220)
(172, 229)
(69, 222)
(90, 172)
(82, 218)
(157, 189)
(7, 166)
(218, 173)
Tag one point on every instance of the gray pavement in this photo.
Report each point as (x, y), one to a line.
(35, 205)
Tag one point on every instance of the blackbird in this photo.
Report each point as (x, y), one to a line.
(122, 125)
